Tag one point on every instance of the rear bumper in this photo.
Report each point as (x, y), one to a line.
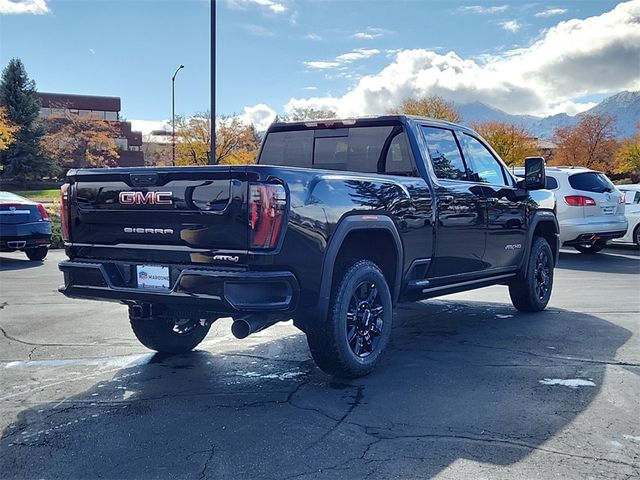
(201, 289)
(24, 235)
(579, 233)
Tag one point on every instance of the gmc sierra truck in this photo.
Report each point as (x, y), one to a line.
(337, 222)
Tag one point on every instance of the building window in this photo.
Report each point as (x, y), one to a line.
(122, 143)
(111, 115)
(74, 111)
(45, 112)
(84, 113)
(134, 148)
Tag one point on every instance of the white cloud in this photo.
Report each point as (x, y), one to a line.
(575, 58)
(257, 30)
(570, 107)
(30, 7)
(483, 10)
(510, 26)
(310, 88)
(260, 115)
(551, 12)
(371, 33)
(313, 36)
(345, 58)
(272, 5)
(147, 126)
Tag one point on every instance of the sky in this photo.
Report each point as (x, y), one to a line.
(354, 57)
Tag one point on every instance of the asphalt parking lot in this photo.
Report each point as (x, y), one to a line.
(470, 388)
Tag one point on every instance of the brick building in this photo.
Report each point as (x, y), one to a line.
(128, 142)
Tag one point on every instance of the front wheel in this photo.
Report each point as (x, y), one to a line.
(593, 248)
(169, 334)
(532, 292)
(351, 340)
(37, 254)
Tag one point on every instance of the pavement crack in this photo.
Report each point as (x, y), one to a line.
(30, 356)
(203, 472)
(3, 304)
(357, 400)
(32, 344)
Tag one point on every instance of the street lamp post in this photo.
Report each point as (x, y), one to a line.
(173, 115)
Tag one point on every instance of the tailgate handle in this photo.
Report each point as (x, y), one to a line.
(143, 179)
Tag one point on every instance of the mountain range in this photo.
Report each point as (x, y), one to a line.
(624, 107)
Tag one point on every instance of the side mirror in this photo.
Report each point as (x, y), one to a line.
(535, 177)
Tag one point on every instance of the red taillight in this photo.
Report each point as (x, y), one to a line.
(267, 205)
(43, 212)
(64, 209)
(579, 201)
(622, 198)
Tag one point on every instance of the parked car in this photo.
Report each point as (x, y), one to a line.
(632, 212)
(24, 225)
(338, 222)
(589, 207)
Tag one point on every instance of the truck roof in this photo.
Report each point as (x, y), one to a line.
(367, 120)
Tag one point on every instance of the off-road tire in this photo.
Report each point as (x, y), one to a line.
(158, 334)
(37, 254)
(328, 338)
(589, 249)
(528, 293)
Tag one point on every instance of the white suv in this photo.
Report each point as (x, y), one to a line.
(590, 209)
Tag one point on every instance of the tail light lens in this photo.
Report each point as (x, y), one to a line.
(622, 198)
(267, 204)
(43, 212)
(64, 211)
(579, 201)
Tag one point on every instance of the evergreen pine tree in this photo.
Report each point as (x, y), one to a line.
(22, 161)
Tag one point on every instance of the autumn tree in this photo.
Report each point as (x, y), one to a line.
(627, 161)
(511, 142)
(591, 143)
(22, 160)
(8, 130)
(300, 114)
(431, 106)
(193, 139)
(236, 142)
(75, 141)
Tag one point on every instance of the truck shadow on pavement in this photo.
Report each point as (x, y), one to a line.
(461, 382)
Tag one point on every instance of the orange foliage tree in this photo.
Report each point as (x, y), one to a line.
(591, 143)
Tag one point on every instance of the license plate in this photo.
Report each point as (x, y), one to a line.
(153, 276)
(607, 210)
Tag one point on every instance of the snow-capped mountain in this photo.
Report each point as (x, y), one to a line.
(624, 107)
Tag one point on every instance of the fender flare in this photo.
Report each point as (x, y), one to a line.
(541, 216)
(345, 226)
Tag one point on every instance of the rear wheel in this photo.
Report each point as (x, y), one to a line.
(169, 334)
(351, 340)
(37, 254)
(593, 248)
(532, 292)
(636, 236)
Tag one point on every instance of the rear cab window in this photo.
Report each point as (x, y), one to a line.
(595, 182)
(372, 149)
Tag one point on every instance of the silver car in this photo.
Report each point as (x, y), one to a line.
(590, 209)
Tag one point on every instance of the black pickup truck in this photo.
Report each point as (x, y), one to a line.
(338, 221)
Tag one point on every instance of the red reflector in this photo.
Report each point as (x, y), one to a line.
(267, 209)
(64, 211)
(43, 212)
(579, 201)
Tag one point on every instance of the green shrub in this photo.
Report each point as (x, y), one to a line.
(56, 227)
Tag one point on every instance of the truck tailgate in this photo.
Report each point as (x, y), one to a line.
(163, 209)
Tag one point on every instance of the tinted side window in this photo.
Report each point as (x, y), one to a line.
(591, 182)
(399, 160)
(291, 149)
(445, 153)
(631, 197)
(483, 165)
(552, 183)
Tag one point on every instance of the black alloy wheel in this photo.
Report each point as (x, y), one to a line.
(542, 274)
(365, 319)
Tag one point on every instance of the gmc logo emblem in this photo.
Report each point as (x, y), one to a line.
(149, 198)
